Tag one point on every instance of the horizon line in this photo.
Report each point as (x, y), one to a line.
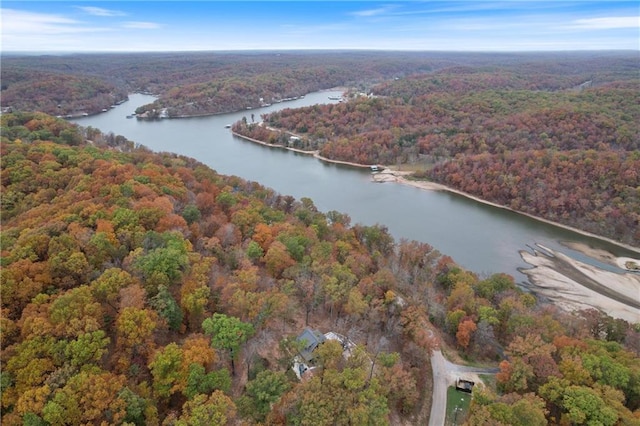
(267, 50)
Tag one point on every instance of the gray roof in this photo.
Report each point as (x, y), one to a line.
(311, 340)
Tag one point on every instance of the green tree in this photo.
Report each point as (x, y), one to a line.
(191, 214)
(496, 283)
(584, 406)
(265, 390)
(604, 369)
(168, 260)
(167, 307)
(340, 397)
(135, 406)
(88, 348)
(227, 333)
(165, 369)
(254, 251)
(199, 382)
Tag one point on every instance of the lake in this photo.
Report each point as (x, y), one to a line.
(479, 237)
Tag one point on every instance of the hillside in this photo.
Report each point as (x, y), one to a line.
(144, 288)
(57, 94)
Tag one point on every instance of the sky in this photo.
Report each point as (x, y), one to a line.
(131, 26)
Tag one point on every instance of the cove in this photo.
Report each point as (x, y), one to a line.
(481, 238)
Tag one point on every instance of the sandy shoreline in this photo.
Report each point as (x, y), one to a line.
(574, 285)
(432, 186)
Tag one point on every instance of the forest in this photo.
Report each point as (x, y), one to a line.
(202, 83)
(191, 83)
(57, 94)
(539, 138)
(143, 288)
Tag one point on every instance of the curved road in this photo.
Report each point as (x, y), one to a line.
(444, 375)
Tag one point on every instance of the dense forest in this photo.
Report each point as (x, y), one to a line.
(534, 137)
(193, 83)
(57, 94)
(143, 288)
(216, 82)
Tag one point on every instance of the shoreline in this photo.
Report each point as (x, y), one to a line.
(400, 178)
(439, 187)
(212, 114)
(314, 154)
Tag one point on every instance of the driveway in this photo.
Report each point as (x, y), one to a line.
(444, 375)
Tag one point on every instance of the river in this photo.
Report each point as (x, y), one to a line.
(479, 237)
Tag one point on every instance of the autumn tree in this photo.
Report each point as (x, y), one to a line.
(204, 410)
(88, 397)
(465, 330)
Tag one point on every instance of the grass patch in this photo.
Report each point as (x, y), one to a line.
(457, 406)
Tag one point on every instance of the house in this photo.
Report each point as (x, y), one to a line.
(310, 340)
(303, 365)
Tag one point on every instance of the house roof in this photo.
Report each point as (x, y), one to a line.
(310, 339)
(464, 385)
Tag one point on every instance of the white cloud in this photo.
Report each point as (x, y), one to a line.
(18, 22)
(373, 12)
(98, 11)
(140, 25)
(612, 22)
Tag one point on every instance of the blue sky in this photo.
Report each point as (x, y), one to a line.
(82, 26)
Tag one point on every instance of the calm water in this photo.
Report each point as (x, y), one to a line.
(481, 238)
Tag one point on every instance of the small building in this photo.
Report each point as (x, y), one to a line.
(464, 385)
(310, 340)
(293, 140)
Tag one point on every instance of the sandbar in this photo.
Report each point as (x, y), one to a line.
(574, 285)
